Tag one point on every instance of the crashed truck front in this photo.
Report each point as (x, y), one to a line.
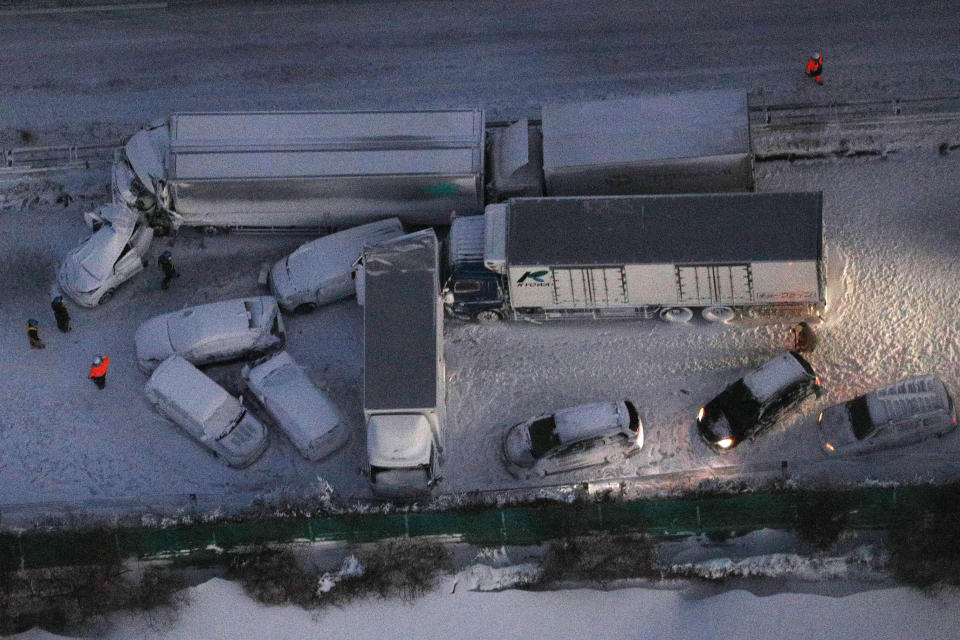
(138, 178)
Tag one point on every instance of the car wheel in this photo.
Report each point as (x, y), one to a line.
(306, 307)
(106, 296)
(488, 315)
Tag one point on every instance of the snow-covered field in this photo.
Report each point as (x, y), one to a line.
(220, 609)
(891, 228)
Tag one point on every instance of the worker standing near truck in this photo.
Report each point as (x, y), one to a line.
(169, 271)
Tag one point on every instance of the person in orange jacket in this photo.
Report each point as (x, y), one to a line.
(815, 67)
(98, 371)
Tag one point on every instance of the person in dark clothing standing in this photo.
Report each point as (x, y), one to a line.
(33, 335)
(61, 314)
(169, 271)
(98, 371)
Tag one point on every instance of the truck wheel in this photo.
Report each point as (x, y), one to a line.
(489, 315)
(212, 230)
(718, 313)
(676, 314)
(106, 296)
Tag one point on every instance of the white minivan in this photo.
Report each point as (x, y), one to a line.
(303, 412)
(212, 417)
(320, 271)
(893, 415)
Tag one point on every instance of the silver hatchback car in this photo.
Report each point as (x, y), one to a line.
(894, 415)
(573, 438)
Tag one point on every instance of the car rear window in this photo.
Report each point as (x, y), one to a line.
(543, 436)
(860, 417)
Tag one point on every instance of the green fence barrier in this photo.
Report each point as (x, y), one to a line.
(865, 508)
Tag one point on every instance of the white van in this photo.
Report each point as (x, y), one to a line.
(299, 408)
(320, 271)
(897, 414)
(214, 418)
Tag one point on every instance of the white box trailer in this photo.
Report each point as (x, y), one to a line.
(616, 256)
(403, 370)
(307, 168)
(692, 142)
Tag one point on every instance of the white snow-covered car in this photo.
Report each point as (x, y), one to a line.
(212, 332)
(897, 414)
(573, 438)
(109, 257)
(214, 418)
(321, 271)
(296, 405)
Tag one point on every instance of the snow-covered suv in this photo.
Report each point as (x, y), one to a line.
(753, 403)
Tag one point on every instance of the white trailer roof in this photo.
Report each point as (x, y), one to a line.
(645, 128)
(325, 143)
(400, 323)
(676, 229)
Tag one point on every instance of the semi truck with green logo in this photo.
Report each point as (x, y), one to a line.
(726, 256)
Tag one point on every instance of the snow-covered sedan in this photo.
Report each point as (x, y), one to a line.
(214, 418)
(321, 271)
(211, 332)
(894, 415)
(753, 403)
(573, 438)
(104, 260)
(297, 406)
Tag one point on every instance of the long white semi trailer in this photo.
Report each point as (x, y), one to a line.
(346, 168)
(726, 255)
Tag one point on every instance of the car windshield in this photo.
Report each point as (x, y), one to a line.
(543, 436)
(860, 417)
(740, 407)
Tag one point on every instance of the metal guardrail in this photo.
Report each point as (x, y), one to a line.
(869, 508)
(761, 114)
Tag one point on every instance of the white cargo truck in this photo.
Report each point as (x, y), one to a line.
(726, 255)
(403, 369)
(304, 169)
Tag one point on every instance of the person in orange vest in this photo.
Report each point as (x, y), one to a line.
(98, 371)
(815, 67)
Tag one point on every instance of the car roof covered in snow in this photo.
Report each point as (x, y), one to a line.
(645, 128)
(335, 254)
(303, 410)
(907, 398)
(400, 323)
(193, 325)
(697, 228)
(178, 382)
(774, 375)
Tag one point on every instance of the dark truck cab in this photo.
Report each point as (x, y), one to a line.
(474, 292)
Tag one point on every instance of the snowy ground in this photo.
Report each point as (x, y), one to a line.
(892, 231)
(70, 78)
(220, 609)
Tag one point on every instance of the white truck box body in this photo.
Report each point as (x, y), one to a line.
(693, 142)
(323, 168)
(688, 250)
(404, 386)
